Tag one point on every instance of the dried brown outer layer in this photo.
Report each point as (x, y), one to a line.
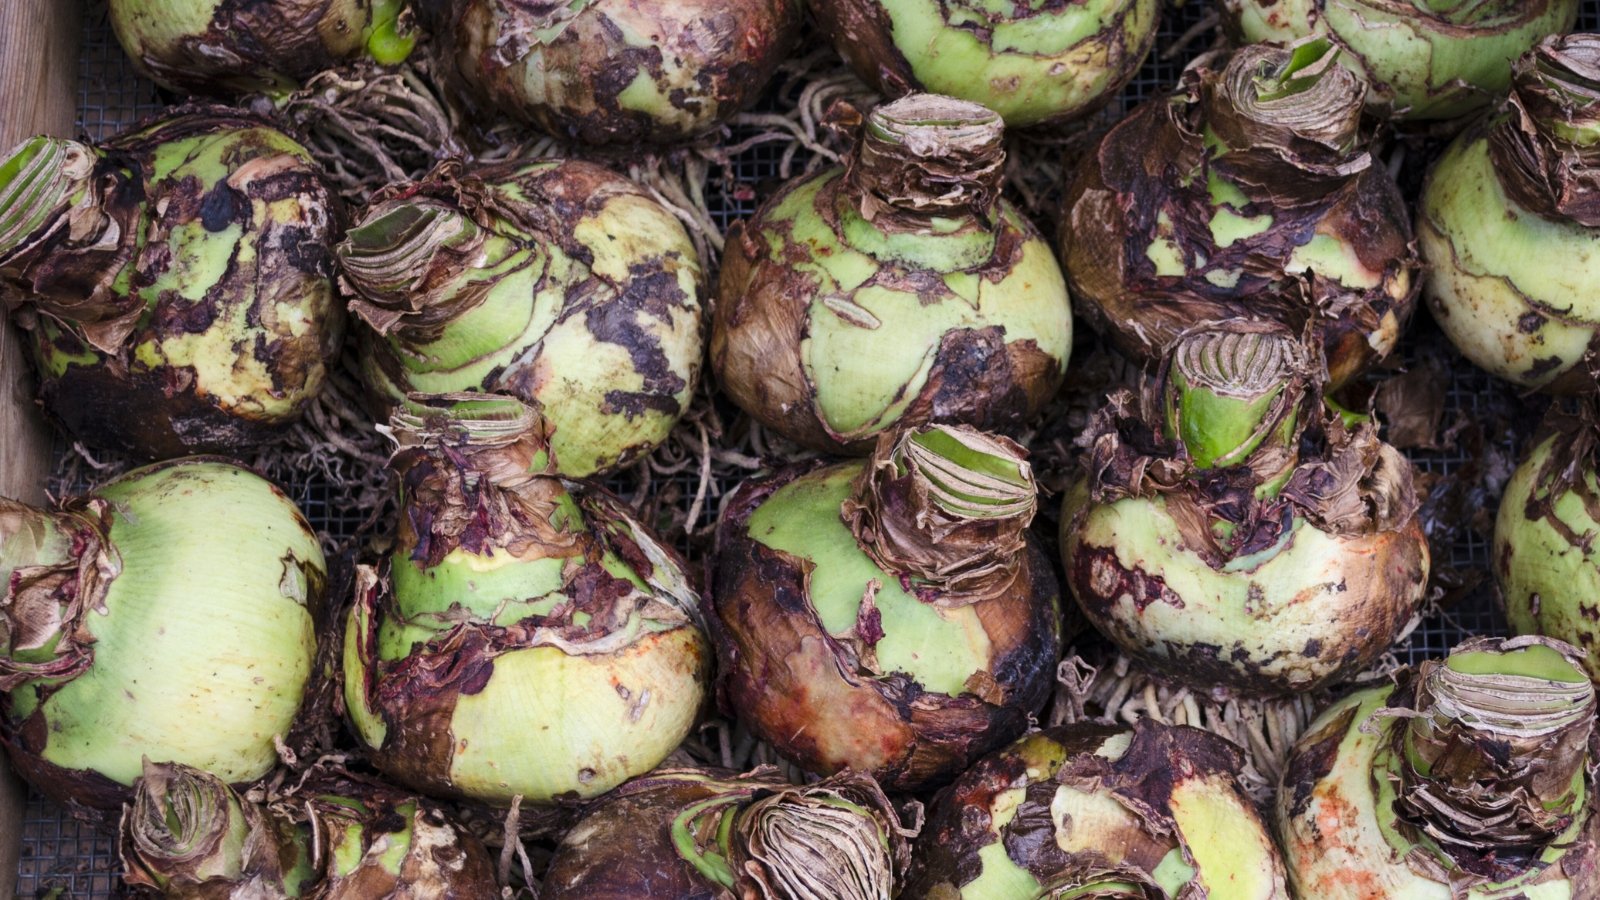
(42, 602)
(480, 488)
(1301, 167)
(899, 519)
(960, 822)
(800, 689)
(568, 67)
(48, 605)
(1555, 87)
(164, 411)
(623, 850)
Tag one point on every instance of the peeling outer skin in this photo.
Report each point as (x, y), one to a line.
(1545, 559)
(1313, 607)
(1144, 264)
(615, 72)
(1506, 283)
(783, 674)
(830, 362)
(622, 849)
(219, 47)
(1061, 62)
(192, 366)
(48, 722)
(1332, 825)
(606, 341)
(1072, 804)
(45, 602)
(440, 861)
(1419, 64)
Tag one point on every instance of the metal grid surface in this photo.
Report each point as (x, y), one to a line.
(62, 858)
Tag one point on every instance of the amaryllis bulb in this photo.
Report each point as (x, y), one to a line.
(1235, 531)
(891, 616)
(90, 600)
(220, 48)
(616, 72)
(1031, 62)
(557, 282)
(1547, 568)
(897, 290)
(527, 636)
(1248, 192)
(174, 282)
(1099, 812)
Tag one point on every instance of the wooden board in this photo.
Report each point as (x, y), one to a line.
(38, 94)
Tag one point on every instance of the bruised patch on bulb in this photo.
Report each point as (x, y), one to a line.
(1102, 583)
(1313, 760)
(152, 414)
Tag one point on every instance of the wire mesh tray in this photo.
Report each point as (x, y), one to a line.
(1482, 423)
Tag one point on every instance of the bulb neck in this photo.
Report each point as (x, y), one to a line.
(1289, 118)
(947, 505)
(1231, 398)
(1494, 761)
(476, 472)
(45, 186)
(1546, 152)
(184, 826)
(926, 157)
(404, 264)
(784, 831)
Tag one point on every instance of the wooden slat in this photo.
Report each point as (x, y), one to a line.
(39, 42)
